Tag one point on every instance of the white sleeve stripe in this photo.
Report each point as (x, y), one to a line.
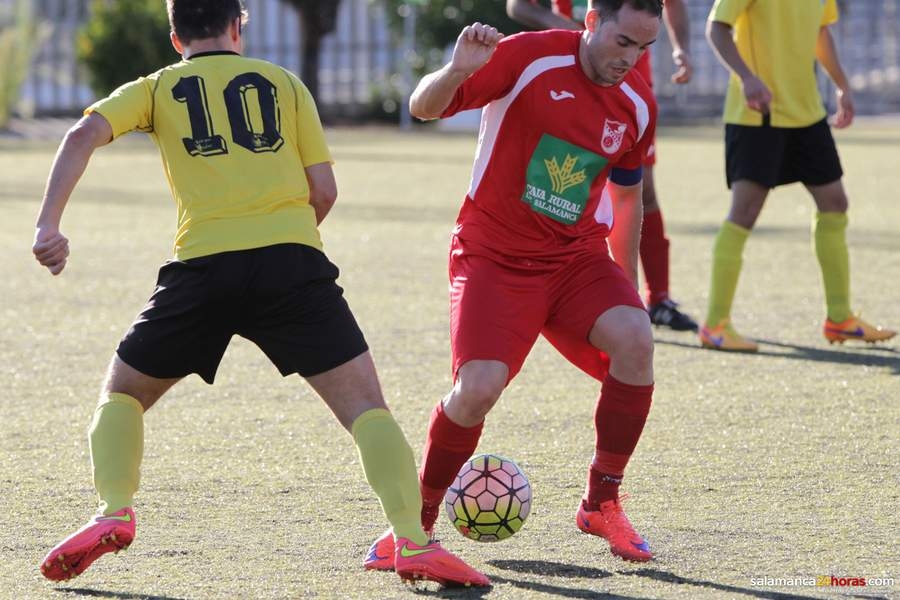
(640, 106)
(493, 114)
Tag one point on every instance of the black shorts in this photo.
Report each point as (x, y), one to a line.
(283, 298)
(773, 156)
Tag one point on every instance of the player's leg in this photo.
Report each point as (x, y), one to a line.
(598, 299)
(175, 334)
(654, 251)
(297, 315)
(116, 438)
(496, 314)
(753, 165)
(830, 241)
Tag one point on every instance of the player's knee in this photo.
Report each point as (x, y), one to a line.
(476, 392)
(632, 344)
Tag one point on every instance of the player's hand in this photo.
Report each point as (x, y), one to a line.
(845, 112)
(685, 70)
(51, 249)
(757, 95)
(474, 46)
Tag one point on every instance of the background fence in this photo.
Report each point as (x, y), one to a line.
(360, 61)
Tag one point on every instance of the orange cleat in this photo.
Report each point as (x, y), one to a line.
(102, 534)
(724, 337)
(855, 328)
(611, 524)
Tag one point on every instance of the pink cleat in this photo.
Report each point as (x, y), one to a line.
(380, 556)
(433, 563)
(102, 534)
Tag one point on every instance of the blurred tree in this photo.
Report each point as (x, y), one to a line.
(19, 36)
(317, 19)
(124, 40)
(440, 21)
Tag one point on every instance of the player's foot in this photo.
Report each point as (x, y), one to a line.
(380, 556)
(724, 337)
(611, 524)
(102, 534)
(434, 563)
(855, 328)
(666, 314)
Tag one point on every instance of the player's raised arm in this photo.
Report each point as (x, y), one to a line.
(531, 14)
(827, 55)
(51, 247)
(474, 47)
(678, 25)
(756, 93)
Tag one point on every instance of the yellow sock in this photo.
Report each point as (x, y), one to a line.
(728, 251)
(117, 446)
(830, 236)
(390, 469)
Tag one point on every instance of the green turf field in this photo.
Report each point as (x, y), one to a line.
(779, 465)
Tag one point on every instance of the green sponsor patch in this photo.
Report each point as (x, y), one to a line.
(558, 179)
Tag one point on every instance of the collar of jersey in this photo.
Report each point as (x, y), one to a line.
(212, 53)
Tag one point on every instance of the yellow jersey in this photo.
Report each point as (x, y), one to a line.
(235, 135)
(777, 40)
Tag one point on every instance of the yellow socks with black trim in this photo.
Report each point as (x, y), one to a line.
(727, 259)
(390, 469)
(117, 446)
(830, 238)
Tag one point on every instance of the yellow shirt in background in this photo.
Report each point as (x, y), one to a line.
(777, 40)
(235, 134)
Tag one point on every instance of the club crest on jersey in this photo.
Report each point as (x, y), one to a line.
(613, 133)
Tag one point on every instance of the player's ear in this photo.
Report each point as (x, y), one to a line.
(176, 43)
(591, 20)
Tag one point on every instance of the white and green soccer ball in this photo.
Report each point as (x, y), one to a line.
(490, 498)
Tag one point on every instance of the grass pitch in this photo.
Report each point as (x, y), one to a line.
(778, 465)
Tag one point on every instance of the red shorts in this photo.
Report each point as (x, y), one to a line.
(499, 305)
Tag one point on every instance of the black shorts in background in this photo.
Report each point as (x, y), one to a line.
(284, 298)
(773, 156)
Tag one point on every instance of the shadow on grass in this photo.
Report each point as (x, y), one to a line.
(93, 593)
(554, 569)
(658, 575)
(864, 356)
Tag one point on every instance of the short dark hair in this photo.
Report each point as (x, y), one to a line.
(609, 8)
(199, 19)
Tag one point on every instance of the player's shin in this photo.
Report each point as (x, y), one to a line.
(830, 235)
(447, 447)
(619, 419)
(117, 447)
(726, 268)
(390, 469)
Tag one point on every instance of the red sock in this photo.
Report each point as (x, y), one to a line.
(619, 420)
(447, 447)
(655, 257)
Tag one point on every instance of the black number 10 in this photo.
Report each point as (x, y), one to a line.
(204, 141)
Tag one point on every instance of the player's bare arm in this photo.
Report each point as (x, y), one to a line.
(625, 236)
(536, 16)
(474, 47)
(678, 26)
(51, 247)
(322, 189)
(756, 93)
(827, 55)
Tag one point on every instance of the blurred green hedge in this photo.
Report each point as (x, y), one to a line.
(124, 40)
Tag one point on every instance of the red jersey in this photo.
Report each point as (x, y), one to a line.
(549, 139)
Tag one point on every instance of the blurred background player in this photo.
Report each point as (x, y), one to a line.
(776, 132)
(251, 174)
(565, 128)
(569, 14)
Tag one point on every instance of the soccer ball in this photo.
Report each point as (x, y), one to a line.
(490, 498)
